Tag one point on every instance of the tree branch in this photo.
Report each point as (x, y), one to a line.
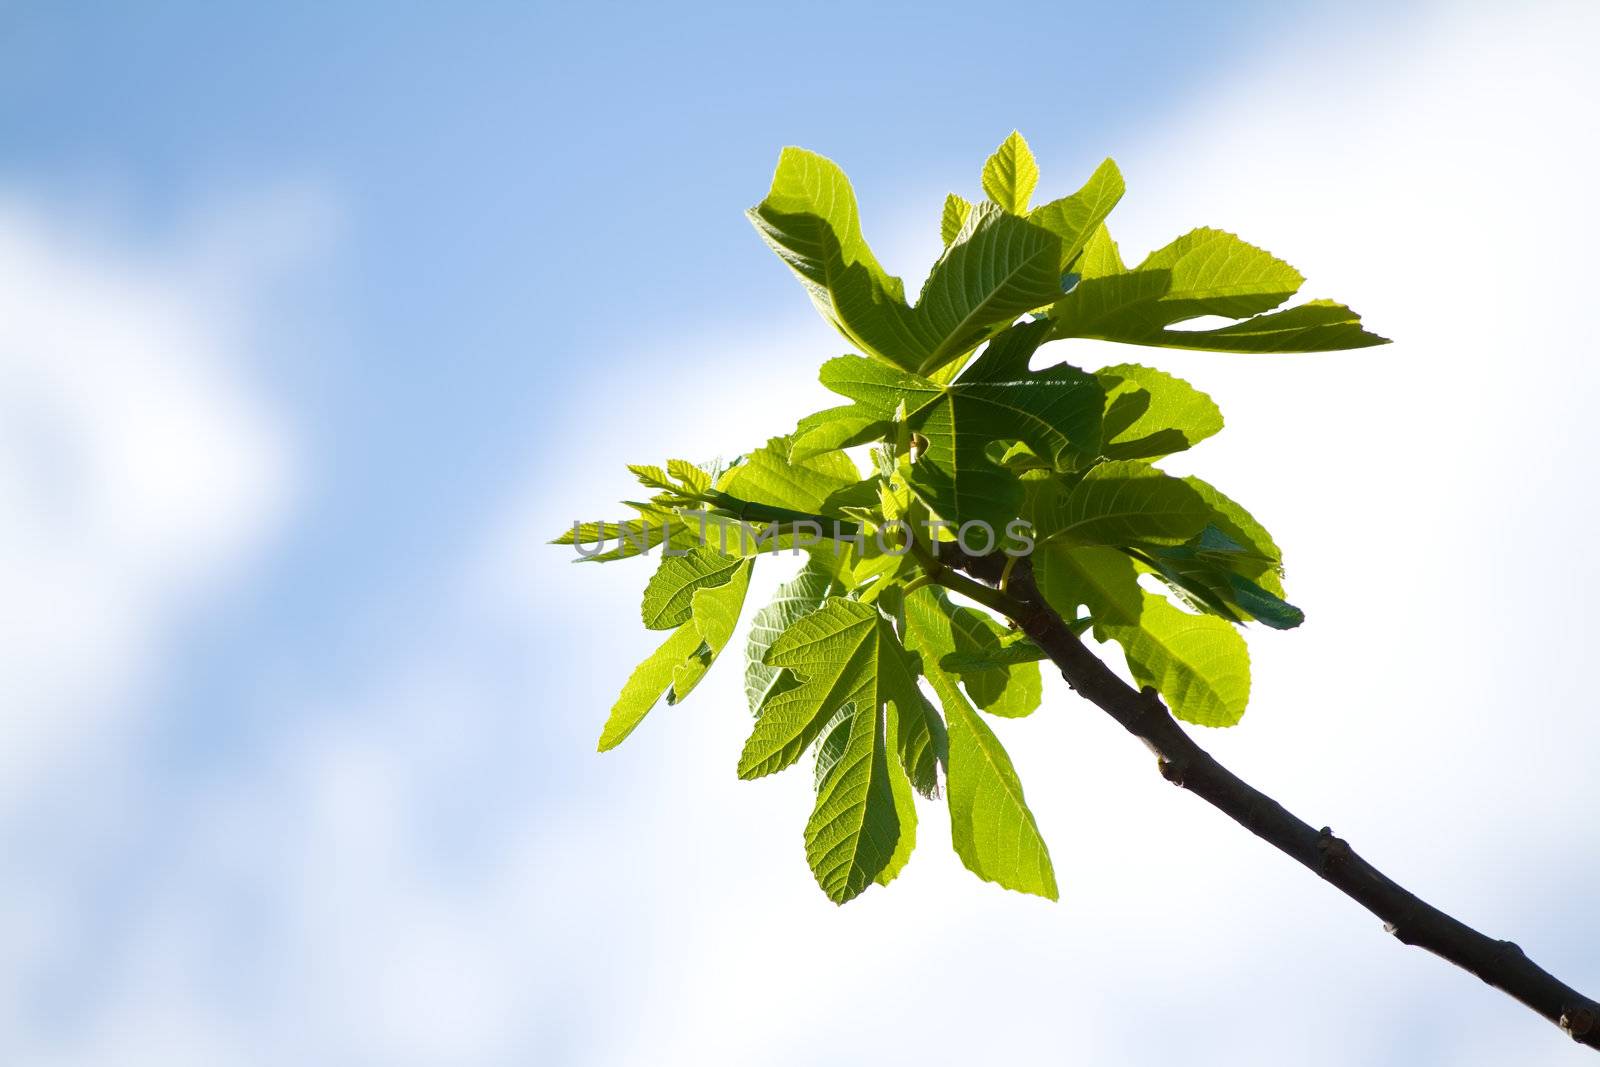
(1501, 964)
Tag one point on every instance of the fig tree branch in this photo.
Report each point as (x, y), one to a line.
(1502, 964)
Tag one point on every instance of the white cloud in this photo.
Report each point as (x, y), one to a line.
(137, 468)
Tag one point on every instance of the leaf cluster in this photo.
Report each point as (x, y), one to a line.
(864, 659)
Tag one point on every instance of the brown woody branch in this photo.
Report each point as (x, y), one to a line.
(1502, 964)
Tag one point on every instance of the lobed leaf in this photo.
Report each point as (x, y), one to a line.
(844, 652)
(794, 599)
(1206, 272)
(991, 827)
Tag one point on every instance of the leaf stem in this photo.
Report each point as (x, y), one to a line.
(1005, 575)
(755, 512)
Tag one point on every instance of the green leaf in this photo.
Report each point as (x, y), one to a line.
(1055, 412)
(677, 666)
(651, 476)
(646, 685)
(997, 267)
(1077, 218)
(854, 830)
(769, 476)
(831, 744)
(1150, 414)
(667, 599)
(991, 827)
(844, 652)
(794, 599)
(905, 810)
(1206, 272)
(1010, 175)
(921, 744)
(1099, 257)
(1198, 663)
(714, 615)
(1315, 326)
(634, 537)
(998, 680)
(1231, 569)
(836, 428)
(809, 218)
(688, 475)
(1004, 655)
(956, 210)
(1126, 503)
(1264, 560)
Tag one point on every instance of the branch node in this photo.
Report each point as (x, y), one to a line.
(1580, 1022)
(1508, 950)
(1171, 770)
(1331, 850)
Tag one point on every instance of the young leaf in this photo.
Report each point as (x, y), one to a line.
(956, 210)
(634, 537)
(688, 475)
(844, 652)
(1010, 174)
(991, 827)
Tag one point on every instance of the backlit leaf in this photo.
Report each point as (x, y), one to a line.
(991, 827)
(1010, 174)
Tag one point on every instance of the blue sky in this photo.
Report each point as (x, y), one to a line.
(321, 321)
